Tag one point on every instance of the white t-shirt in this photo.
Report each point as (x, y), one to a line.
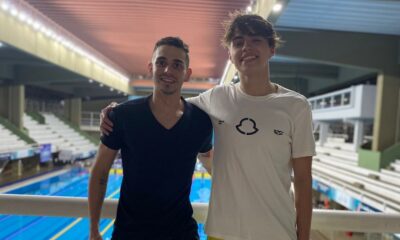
(255, 140)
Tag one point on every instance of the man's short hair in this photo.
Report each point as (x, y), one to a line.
(175, 42)
(252, 25)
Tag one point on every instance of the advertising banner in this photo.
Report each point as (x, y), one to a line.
(45, 153)
(342, 197)
(5, 156)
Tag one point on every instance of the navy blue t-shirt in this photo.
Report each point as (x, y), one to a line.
(158, 165)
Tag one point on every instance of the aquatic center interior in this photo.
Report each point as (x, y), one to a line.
(62, 61)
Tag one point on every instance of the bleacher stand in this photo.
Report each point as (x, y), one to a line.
(81, 148)
(336, 164)
(70, 144)
(12, 147)
(42, 133)
(396, 166)
(9, 141)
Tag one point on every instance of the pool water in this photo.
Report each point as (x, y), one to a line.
(74, 183)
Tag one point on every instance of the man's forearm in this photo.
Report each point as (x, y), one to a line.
(206, 159)
(97, 191)
(98, 186)
(206, 162)
(303, 197)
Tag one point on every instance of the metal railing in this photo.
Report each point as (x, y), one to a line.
(90, 120)
(7, 149)
(337, 99)
(334, 220)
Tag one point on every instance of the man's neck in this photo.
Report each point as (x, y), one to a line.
(167, 109)
(257, 83)
(166, 103)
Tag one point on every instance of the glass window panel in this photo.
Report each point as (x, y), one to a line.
(346, 98)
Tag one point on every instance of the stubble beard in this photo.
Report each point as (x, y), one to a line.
(166, 89)
(166, 92)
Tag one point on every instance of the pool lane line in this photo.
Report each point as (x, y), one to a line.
(66, 229)
(107, 227)
(59, 234)
(8, 187)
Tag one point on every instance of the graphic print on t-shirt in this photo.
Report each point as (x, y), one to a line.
(278, 132)
(247, 126)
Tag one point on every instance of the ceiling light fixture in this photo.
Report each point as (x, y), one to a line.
(36, 25)
(29, 21)
(14, 12)
(277, 7)
(249, 9)
(22, 16)
(5, 6)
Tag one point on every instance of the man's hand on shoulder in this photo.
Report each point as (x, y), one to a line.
(106, 125)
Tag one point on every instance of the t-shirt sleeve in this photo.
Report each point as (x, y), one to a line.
(207, 145)
(202, 101)
(303, 144)
(113, 140)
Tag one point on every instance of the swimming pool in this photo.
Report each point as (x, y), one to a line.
(74, 183)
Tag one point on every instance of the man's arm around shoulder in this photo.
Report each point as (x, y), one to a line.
(98, 187)
(206, 159)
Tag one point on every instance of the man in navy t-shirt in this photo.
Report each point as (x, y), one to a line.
(160, 137)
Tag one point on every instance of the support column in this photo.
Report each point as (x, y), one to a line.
(19, 168)
(387, 105)
(12, 107)
(4, 96)
(358, 135)
(73, 110)
(385, 146)
(323, 132)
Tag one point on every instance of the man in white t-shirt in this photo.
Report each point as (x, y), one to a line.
(263, 133)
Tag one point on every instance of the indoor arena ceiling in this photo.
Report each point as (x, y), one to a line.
(364, 16)
(19, 67)
(125, 31)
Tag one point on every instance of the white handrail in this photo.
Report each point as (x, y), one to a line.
(14, 149)
(90, 119)
(335, 220)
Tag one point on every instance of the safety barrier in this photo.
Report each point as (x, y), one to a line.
(334, 220)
